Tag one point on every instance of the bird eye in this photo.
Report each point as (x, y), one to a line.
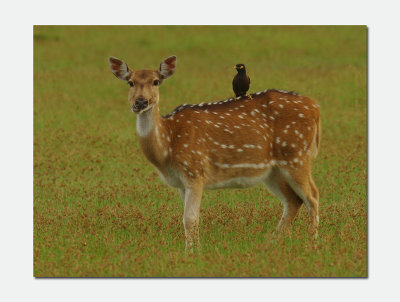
(130, 83)
(156, 82)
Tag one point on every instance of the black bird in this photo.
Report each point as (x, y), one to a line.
(241, 81)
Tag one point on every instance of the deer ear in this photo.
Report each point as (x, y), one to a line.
(167, 67)
(120, 69)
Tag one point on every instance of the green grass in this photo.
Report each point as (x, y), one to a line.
(100, 208)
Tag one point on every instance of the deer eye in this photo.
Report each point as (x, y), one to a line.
(130, 83)
(156, 82)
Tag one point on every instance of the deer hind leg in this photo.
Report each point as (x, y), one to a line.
(303, 185)
(314, 189)
(191, 217)
(315, 194)
(278, 185)
(182, 193)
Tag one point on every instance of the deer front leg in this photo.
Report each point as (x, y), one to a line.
(191, 216)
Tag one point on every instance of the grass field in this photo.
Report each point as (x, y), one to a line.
(100, 209)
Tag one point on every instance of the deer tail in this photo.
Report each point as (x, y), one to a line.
(317, 138)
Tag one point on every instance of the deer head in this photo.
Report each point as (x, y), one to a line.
(144, 84)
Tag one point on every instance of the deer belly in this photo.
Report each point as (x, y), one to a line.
(240, 182)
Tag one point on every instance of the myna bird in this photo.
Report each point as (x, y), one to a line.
(241, 81)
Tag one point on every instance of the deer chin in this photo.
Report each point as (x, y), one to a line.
(146, 109)
(138, 111)
(134, 109)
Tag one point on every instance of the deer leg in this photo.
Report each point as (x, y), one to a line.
(314, 189)
(291, 202)
(191, 216)
(182, 193)
(308, 192)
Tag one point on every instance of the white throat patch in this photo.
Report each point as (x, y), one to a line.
(144, 122)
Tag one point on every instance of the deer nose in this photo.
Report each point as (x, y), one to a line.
(141, 103)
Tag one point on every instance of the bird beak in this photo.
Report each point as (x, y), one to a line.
(234, 67)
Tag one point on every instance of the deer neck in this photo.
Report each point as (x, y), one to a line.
(150, 129)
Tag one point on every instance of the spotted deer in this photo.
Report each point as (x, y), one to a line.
(227, 144)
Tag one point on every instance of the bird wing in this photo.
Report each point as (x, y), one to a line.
(234, 84)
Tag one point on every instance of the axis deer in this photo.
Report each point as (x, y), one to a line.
(227, 144)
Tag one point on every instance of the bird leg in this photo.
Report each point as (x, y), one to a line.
(249, 96)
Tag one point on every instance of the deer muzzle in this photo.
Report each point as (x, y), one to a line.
(140, 104)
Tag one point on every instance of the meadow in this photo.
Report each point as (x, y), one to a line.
(100, 209)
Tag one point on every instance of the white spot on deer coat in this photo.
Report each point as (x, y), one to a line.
(243, 165)
(249, 146)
